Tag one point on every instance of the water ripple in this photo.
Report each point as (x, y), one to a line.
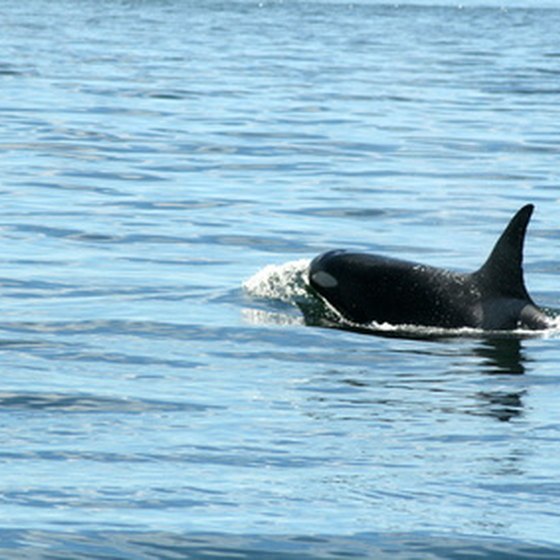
(71, 403)
(130, 545)
(155, 155)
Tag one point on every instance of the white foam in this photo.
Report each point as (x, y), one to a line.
(260, 317)
(459, 332)
(285, 282)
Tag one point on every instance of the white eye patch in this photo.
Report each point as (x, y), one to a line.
(324, 279)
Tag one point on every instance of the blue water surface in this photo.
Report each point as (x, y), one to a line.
(156, 155)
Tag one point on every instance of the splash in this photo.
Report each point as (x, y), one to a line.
(286, 282)
(286, 294)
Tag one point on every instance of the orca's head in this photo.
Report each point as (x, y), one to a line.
(325, 276)
(365, 288)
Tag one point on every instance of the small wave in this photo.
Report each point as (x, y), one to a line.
(286, 286)
(82, 403)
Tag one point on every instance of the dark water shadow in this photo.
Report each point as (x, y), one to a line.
(497, 353)
(501, 355)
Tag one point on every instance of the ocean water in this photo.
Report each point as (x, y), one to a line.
(168, 170)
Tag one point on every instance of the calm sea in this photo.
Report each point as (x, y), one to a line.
(160, 393)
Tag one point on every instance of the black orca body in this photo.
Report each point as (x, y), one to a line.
(369, 288)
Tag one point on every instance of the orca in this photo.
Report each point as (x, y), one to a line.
(366, 288)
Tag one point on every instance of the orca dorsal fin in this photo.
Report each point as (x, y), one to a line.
(502, 273)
